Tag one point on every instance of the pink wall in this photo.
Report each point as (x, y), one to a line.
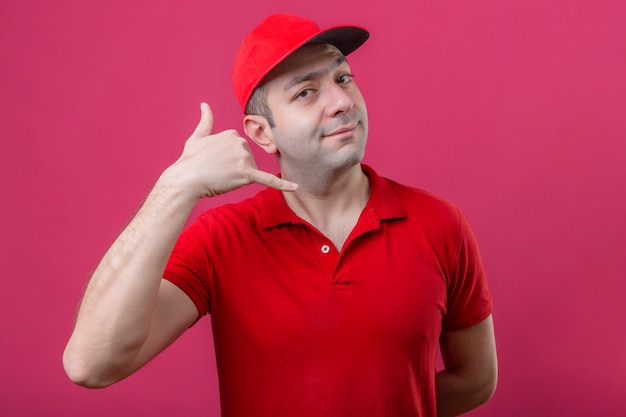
(514, 110)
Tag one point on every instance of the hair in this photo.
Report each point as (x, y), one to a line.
(258, 104)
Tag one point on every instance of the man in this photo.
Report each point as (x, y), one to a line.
(330, 291)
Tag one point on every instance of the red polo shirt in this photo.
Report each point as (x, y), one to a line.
(303, 330)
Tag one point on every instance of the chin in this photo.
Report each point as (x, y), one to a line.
(348, 161)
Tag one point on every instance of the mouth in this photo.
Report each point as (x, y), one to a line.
(342, 131)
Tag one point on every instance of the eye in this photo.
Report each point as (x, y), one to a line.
(344, 78)
(304, 93)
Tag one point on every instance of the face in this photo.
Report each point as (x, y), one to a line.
(319, 113)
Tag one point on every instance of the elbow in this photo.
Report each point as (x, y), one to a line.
(85, 380)
(82, 371)
(487, 388)
(486, 394)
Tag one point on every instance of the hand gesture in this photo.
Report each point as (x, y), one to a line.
(213, 164)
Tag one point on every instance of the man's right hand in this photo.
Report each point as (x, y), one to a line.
(214, 164)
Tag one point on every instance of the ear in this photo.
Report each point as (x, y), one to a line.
(258, 129)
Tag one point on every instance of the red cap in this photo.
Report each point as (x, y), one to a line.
(277, 37)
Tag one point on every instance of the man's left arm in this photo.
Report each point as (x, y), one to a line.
(470, 369)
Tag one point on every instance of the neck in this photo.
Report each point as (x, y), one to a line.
(333, 204)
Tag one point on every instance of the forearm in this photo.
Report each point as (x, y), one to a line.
(115, 315)
(457, 395)
(471, 369)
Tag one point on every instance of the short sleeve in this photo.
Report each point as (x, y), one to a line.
(468, 298)
(189, 266)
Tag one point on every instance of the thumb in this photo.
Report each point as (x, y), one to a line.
(205, 127)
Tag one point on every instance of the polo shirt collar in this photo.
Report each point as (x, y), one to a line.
(383, 202)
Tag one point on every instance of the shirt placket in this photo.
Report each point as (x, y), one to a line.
(328, 256)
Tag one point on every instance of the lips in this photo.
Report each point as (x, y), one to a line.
(342, 129)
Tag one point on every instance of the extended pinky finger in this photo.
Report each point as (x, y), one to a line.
(271, 180)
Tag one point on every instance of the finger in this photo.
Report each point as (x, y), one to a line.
(270, 180)
(205, 127)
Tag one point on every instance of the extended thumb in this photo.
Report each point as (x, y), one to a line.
(205, 127)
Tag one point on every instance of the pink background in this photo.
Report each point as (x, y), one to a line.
(516, 111)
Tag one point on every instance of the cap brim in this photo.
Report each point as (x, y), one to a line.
(346, 38)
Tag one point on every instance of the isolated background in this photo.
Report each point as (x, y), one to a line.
(513, 110)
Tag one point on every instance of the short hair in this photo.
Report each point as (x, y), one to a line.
(258, 104)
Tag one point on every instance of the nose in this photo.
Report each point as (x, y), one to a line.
(339, 100)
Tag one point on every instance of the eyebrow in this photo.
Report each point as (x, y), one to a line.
(313, 75)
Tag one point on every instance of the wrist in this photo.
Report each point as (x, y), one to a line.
(174, 190)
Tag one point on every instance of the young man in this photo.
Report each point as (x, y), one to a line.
(330, 291)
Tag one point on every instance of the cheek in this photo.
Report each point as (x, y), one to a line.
(360, 101)
(296, 142)
(297, 126)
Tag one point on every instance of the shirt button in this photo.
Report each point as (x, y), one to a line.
(325, 249)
